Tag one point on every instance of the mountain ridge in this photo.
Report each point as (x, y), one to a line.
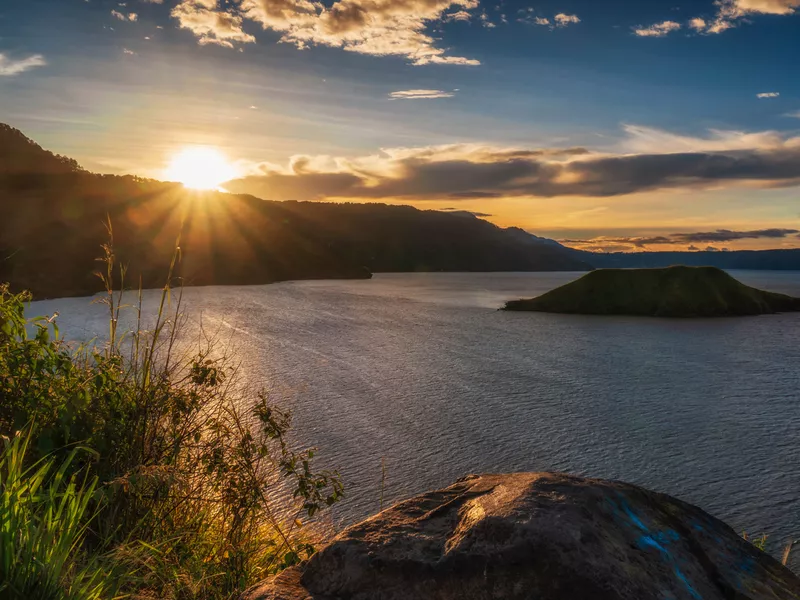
(55, 213)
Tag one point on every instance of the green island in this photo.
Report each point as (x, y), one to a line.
(677, 291)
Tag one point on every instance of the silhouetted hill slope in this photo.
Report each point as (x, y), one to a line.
(672, 292)
(54, 214)
(20, 155)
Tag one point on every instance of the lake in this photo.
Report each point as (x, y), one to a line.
(423, 371)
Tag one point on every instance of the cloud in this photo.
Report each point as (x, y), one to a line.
(647, 140)
(560, 20)
(460, 15)
(795, 115)
(129, 52)
(657, 30)
(122, 17)
(486, 22)
(465, 212)
(374, 27)
(9, 66)
(698, 24)
(726, 235)
(563, 20)
(731, 12)
(700, 237)
(153, 1)
(771, 7)
(465, 171)
(211, 24)
(768, 95)
(420, 94)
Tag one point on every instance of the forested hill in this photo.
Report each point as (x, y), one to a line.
(54, 213)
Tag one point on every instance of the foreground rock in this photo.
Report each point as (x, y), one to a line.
(537, 536)
(670, 292)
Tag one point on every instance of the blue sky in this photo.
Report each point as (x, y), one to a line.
(470, 104)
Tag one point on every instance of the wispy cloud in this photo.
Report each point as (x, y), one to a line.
(657, 30)
(461, 211)
(764, 95)
(459, 172)
(420, 94)
(649, 140)
(10, 66)
(460, 15)
(560, 20)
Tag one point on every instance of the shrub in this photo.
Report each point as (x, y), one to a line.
(199, 491)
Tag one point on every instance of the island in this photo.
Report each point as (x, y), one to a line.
(677, 291)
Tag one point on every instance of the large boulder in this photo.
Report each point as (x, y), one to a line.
(537, 536)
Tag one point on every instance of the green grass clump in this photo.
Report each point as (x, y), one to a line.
(44, 518)
(190, 487)
(671, 292)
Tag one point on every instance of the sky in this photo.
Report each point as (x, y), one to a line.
(608, 124)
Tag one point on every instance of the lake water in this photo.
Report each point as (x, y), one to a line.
(423, 371)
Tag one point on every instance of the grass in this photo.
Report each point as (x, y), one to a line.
(186, 484)
(44, 518)
(671, 292)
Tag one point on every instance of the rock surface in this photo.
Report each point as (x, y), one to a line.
(536, 536)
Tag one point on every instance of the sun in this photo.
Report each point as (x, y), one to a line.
(200, 168)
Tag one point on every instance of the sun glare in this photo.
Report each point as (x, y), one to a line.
(200, 168)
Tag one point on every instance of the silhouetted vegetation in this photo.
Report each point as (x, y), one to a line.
(139, 468)
(54, 214)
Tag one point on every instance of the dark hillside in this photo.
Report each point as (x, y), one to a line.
(54, 214)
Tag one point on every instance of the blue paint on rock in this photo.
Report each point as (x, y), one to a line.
(679, 574)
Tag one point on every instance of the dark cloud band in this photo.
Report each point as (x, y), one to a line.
(447, 173)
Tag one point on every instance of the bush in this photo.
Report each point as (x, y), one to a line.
(196, 488)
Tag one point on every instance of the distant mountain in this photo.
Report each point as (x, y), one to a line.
(764, 260)
(768, 260)
(53, 226)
